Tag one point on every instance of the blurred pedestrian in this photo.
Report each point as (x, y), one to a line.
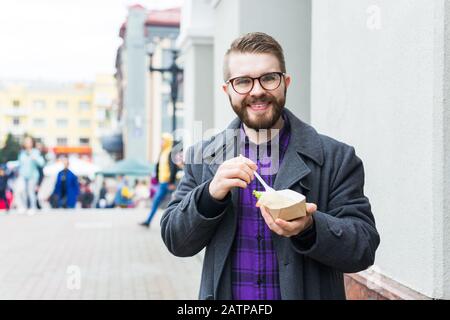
(124, 196)
(141, 194)
(66, 188)
(86, 194)
(42, 150)
(4, 176)
(166, 171)
(30, 159)
(102, 201)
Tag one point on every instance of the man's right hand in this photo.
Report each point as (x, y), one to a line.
(236, 172)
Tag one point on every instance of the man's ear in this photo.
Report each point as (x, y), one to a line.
(225, 88)
(287, 80)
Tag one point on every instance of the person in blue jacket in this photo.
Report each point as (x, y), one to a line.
(66, 188)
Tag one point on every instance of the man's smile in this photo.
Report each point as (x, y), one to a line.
(259, 107)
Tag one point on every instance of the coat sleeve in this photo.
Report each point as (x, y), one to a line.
(184, 230)
(346, 236)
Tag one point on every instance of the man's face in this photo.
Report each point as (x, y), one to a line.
(260, 108)
(28, 143)
(65, 163)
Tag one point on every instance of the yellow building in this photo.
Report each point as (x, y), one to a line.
(67, 118)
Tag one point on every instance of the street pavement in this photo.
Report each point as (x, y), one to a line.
(90, 254)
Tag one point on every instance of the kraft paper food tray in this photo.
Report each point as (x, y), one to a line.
(294, 211)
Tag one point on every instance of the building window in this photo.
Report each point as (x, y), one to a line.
(62, 123)
(16, 103)
(84, 141)
(84, 105)
(101, 114)
(84, 123)
(16, 121)
(61, 141)
(39, 122)
(39, 104)
(61, 105)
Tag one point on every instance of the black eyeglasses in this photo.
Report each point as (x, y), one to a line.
(269, 81)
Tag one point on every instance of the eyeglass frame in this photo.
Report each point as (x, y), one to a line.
(230, 81)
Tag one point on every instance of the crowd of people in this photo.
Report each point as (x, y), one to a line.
(21, 186)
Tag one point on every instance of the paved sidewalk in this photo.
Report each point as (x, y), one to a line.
(90, 254)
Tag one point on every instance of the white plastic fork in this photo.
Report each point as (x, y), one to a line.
(265, 185)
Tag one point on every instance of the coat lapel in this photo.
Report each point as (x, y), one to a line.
(292, 169)
(304, 142)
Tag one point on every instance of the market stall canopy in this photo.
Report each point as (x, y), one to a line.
(78, 166)
(128, 167)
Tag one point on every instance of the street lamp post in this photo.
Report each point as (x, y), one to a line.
(174, 71)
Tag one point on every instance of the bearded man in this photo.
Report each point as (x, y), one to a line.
(249, 254)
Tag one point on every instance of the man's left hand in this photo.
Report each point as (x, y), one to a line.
(289, 228)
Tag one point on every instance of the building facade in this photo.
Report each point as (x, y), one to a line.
(67, 118)
(145, 106)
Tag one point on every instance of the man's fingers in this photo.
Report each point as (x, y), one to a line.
(311, 208)
(286, 225)
(231, 183)
(245, 167)
(270, 222)
(239, 165)
(247, 161)
(237, 173)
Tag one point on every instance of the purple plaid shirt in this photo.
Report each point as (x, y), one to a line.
(254, 260)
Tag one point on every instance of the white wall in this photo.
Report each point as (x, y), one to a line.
(441, 150)
(374, 86)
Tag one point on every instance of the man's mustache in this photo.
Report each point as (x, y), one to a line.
(259, 100)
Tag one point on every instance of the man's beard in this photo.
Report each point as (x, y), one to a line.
(266, 121)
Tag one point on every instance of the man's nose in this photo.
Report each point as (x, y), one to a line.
(257, 89)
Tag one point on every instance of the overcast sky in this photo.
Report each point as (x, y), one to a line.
(67, 40)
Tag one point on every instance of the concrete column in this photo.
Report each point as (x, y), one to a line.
(289, 23)
(196, 44)
(136, 121)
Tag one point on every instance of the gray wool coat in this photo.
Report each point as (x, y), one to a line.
(326, 171)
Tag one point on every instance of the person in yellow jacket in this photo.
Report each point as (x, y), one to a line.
(166, 171)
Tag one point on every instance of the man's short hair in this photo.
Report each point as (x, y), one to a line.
(254, 42)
